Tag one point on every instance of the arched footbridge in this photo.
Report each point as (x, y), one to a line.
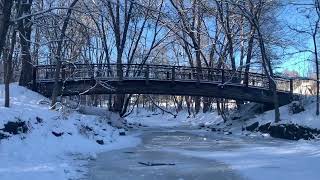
(88, 79)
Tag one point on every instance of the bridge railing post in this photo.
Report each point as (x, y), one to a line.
(34, 78)
(209, 74)
(93, 71)
(291, 86)
(119, 70)
(63, 72)
(147, 74)
(222, 76)
(173, 73)
(198, 72)
(246, 79)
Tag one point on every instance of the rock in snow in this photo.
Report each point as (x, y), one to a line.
(101, 142)
(57, 134)
(253, 126)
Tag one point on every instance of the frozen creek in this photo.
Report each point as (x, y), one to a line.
(166, 146)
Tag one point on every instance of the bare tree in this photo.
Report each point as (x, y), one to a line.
(314, 38)
(59, 56)
(312, 14)
(254, 20)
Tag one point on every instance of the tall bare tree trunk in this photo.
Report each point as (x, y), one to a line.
(206, 104)
(197, 104)
(5, 13)
(314, 37)
(269, 73)
(24, 27)
(59, 56)
(7, 57)
(249, 55)
(187, 98)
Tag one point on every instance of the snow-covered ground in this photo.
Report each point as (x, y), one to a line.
(262, 159)
(39, 154)
(158, 118)
(307, 118)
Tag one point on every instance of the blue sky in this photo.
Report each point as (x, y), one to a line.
(301, 62)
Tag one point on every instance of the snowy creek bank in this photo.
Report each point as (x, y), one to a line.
(285, 131)
(298, 121)
(38, 143)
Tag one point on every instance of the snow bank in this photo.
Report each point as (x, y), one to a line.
(161, 119)
(307, 118)
(41, 155)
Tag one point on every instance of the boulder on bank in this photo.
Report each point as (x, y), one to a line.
(15, 127)
(101, 142)
(57, 134)
(3, 136)
(253, 126)
(296, 107)
(289, 131)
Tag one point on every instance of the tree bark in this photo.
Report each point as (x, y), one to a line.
(5, 13)
(206, 104)
(269, 73)
(187, 98)
(197, 104)
(314, 37)
(58, 56)
(24, 27)
(7, 57)
(249, 55)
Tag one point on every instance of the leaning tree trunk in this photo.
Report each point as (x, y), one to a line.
(269, 73)
(249, 56)
(57, 87)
